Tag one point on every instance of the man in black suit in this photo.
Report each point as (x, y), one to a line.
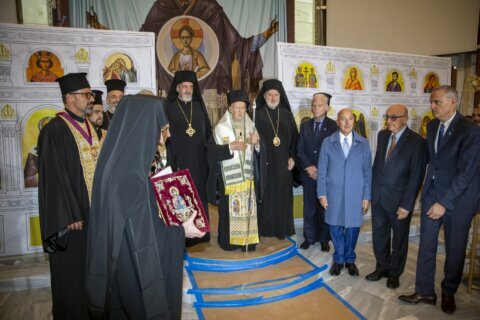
(450, 197)
(309, 143)
(398, 171)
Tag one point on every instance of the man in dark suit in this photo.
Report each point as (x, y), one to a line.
(398, 171)
(450, 197)
(309, 143)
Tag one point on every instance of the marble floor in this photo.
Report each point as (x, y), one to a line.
(25, 291)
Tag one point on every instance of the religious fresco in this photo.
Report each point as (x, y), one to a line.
(353, 79)
(394, 81)
(302, 114)
(187, 43)
(361, 126)
(426, 118)
(43, 66)
(306, 76)
(33, 125)
(430, 81)
(120, 66)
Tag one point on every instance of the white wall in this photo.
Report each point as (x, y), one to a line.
(431, 27)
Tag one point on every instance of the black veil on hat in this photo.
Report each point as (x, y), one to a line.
(115, 84)
(237, 95)
(120, 202)
(98, 96)
(269, 85)
(72, 82)
(327, 95)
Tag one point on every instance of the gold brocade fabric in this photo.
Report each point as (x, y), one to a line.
(243, 219)
(88, 153)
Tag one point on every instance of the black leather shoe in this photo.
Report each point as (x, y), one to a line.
(305, 245)
(352, 269)
(336, 269)
(415, 298)
(325, 246)
(393, 282)
(448, 304)
(376, 275)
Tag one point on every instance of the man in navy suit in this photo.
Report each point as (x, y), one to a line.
(309, 143)
(450, 197)
(397, 174)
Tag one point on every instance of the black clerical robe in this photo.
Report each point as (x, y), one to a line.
(107, 118)
(188, 152)
(63, 199)
(275, 212)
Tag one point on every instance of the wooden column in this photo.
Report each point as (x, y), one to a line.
(291, 21)
(476, 100)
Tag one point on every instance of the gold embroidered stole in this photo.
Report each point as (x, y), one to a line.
(88, 153)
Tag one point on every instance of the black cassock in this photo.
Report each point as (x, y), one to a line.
(188, 152)
(107, 118)
(275, 212)
(134, 262)
(63, 200)
(216, 154)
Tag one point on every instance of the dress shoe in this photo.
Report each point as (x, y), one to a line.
(393, 282)
(325, 246)
(305, 245)
(335, 269)
(415, 298)
(352, 269)
(376, 275)
(448, 304)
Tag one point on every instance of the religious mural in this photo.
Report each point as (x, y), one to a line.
(306, 76)
(35, 122)
(353, 79)
(119, 66)
(43, 66)
(360, 125)
(394, 81)
(430, 81)
(426, 118)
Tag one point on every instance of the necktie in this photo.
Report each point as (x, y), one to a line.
(345, 147)
(317, 128)
(392, 146)
(440, 135)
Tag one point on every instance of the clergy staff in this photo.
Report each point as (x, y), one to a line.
(276, 125)
(135, 263)
(68, 148)
(115, 92)
(235, 158)
(190, 131)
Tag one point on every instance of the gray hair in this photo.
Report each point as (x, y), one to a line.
(450, 92)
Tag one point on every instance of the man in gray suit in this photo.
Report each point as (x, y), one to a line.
(397, 174)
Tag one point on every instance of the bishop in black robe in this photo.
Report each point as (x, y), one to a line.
(276, 125)
(189, 151)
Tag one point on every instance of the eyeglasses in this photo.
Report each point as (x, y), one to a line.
(88, 95)
(393, 117)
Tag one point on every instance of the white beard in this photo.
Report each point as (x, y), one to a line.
(185, 99)
(272, 105)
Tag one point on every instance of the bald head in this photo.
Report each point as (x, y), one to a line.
(396, 117)
(345, 121)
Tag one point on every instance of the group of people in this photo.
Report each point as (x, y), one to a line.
(337, 174)
(110, 253)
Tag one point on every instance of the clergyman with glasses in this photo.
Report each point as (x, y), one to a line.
(68, 148)
(397, 174)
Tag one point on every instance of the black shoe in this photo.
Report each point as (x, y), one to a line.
(352, 269)
(393, 282)
(376, 275)
(325, 246)
(415, 298)
(336, 269)
(305, 245)
(448, 304)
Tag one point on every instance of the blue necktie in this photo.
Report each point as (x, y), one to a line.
(440, 135)
(317, 128)
(345, 147)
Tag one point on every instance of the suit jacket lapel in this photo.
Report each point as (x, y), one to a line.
(399, 145)
(431, 134)
(447, 134)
